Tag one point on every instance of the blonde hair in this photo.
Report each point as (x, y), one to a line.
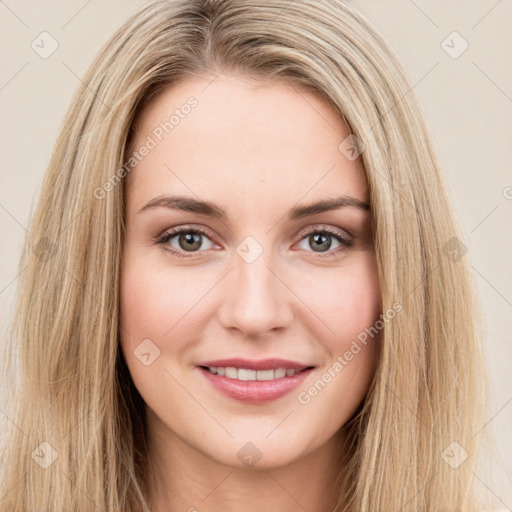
(74, 390)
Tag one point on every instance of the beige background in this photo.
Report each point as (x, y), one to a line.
(467, 102)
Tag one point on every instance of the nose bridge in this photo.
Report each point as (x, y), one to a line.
(256, 298)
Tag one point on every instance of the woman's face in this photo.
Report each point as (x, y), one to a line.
(260, 280)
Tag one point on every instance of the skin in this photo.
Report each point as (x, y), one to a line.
(256, 151)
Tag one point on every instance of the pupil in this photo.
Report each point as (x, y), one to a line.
(190, 238)
(326, 243)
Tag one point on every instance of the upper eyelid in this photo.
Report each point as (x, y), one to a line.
(206, 231)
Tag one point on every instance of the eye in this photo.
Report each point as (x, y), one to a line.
(321, 241)
(187, 240)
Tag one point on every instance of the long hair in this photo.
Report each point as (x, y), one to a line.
(76, 439)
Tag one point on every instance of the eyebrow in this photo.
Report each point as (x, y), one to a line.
(209, 209)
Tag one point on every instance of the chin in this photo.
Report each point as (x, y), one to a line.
(257, 455)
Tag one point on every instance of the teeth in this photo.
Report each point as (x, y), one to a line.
(231, 373)
(245, 374)
(265, 374)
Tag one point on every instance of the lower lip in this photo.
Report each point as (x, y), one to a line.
(255, 391)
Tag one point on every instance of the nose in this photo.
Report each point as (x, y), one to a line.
(257, 300)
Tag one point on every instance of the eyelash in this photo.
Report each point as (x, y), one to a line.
(345, 243)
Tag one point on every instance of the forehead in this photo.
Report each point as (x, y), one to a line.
(244, 138)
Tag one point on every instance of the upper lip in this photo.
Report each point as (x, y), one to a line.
(263, 364)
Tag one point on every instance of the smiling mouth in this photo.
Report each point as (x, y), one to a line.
(244, 374)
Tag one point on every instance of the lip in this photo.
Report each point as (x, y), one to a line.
(263, 364)
(256, 392)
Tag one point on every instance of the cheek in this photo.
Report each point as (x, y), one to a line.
(359, 302)
(144, 300)
(346, 302)
(153, 313)
(349, 304)
(154, 299)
